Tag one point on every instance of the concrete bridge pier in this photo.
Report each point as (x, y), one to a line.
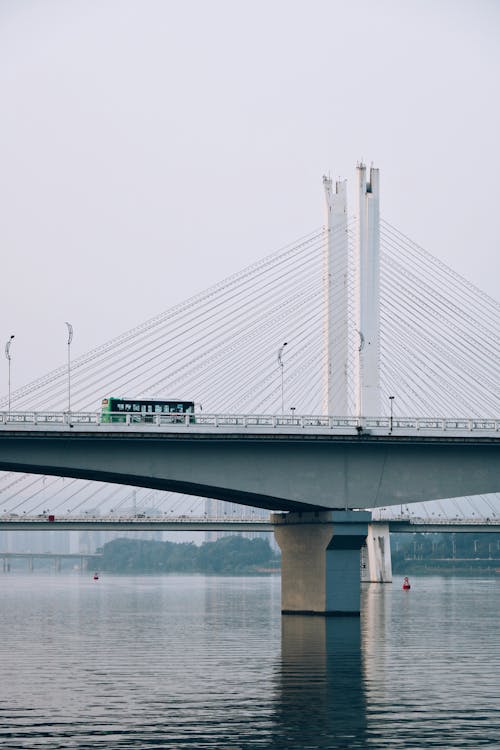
(376, 556)
(320, 560)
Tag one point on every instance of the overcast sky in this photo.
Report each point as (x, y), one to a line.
(149, 148)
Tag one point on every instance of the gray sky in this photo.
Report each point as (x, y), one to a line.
(148, 148)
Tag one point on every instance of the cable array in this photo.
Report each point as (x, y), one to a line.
(440, 337)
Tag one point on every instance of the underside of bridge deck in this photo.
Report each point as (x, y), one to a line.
(278, 472)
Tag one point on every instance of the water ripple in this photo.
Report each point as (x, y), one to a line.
(173, 662)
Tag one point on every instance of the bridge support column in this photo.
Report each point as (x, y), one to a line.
(320, 561)
(378, 568)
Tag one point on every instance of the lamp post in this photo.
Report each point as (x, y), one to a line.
(7, 354)
(70, 339)
(280, 362)
(391, 400)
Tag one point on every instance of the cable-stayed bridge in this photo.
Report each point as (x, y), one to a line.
(436, 349)
(439, 346)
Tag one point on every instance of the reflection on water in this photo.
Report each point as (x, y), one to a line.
(431, 663)
(321, 700)
(172, 662)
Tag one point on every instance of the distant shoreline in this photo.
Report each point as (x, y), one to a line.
(445, 566)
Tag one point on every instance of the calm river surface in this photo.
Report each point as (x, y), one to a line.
(189, 661)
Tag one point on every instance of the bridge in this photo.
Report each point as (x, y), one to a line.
(83, 558)
(141, 522)
(346, 301)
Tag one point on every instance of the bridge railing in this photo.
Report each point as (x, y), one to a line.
(273, 421)
(49, 520)
(492, 520)
(144, 519)
(50, 417)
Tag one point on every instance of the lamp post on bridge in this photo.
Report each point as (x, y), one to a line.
(280, 362)
(70, 339)
(7, 354)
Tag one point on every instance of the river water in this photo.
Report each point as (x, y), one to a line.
(193, 661)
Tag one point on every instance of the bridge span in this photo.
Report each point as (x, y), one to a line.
(278, 463)
(399, 525)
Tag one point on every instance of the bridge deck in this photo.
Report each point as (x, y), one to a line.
(184, 523)
(282, 463)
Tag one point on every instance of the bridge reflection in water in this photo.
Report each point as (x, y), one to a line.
(321, 699)
(408, 673)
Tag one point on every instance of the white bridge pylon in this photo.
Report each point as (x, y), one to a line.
(366, 375)
(336, 301)
(367, 317)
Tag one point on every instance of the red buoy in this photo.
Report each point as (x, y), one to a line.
(96, 577)
(406, 584)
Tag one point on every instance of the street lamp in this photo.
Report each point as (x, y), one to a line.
(391, 400)
(280, 362)
(70, 339)
(7, 354)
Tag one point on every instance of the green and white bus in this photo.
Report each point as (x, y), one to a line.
(144, 410)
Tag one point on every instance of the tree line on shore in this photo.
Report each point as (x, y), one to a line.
(461, 550)
(228, 555)
(237, 554)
